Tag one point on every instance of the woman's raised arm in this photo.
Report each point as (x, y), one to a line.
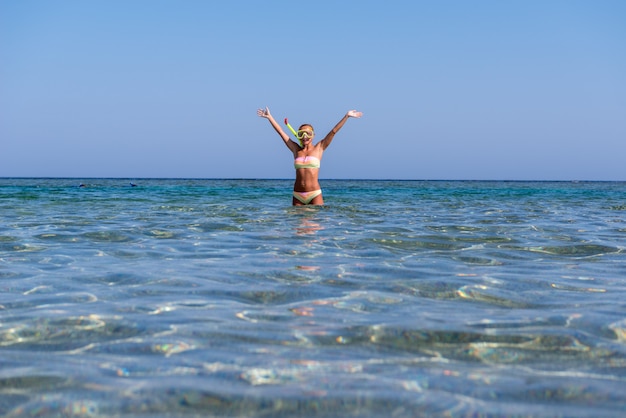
(265, 113)
(329, 137)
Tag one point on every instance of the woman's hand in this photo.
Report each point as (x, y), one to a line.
(354, 114)
(264, 113)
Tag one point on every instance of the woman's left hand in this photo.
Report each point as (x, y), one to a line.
(354, 114)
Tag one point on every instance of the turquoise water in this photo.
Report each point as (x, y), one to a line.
(398, 298)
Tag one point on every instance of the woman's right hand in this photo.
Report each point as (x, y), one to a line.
(264, 113)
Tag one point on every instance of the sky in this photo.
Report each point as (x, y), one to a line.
(467, 90)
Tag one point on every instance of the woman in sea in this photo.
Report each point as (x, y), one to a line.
(307, 157)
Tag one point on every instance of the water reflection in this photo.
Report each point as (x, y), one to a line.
(308, 226)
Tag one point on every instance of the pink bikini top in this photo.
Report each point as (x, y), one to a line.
(306, 162)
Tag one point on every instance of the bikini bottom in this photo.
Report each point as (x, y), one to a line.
(306, 197)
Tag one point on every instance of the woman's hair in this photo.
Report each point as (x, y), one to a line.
(306, 124)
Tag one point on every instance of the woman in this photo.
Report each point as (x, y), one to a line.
(307, 157)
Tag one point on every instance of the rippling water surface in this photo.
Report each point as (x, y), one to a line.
(399, 299)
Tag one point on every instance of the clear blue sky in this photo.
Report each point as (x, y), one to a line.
(501, 90)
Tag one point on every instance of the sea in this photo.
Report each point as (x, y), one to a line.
(217, 298)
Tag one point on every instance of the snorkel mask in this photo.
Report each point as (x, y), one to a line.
(295, 133)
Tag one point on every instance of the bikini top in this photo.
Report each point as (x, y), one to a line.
(306, 162)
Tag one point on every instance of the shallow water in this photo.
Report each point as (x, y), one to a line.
(398, 298)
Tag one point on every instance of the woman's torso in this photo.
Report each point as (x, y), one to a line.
(306, 164)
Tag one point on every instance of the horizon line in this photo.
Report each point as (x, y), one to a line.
(287, 179)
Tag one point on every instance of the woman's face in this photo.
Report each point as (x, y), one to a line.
(306, 134)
